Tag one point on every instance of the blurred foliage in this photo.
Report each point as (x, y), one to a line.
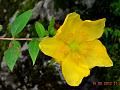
(1, 28)
(116, 8)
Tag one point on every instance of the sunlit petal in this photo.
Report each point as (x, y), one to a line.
(72, 73)
(54, 48)
(90, 30)
(74, 29)
(67, 31)
(93, 54)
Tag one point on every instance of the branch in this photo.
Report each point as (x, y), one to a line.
(21, 39)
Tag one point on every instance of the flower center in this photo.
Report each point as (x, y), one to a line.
(74, 46)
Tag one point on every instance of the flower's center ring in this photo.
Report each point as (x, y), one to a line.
(74, 46)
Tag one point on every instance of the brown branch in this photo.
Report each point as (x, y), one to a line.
(21, 39)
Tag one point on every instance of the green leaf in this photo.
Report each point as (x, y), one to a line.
(51, 29)
(1, 27)
(12, 54)
(16, 44)
(33, 48)
(20, 22)
(106, 32)
(40, 29)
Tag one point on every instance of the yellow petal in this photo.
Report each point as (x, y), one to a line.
(69, 20)
(93, 54)
(74, 29)
(54, 48)
(67, 31)
(73, 74)
(90, 30)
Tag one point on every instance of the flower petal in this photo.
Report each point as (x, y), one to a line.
(74, 29)
(67, 31)
(72, 73)
(54, 48)
(90, 30)
(94, 54)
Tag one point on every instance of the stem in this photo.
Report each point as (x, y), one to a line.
(21, 39)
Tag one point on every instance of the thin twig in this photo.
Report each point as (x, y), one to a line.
(21, 39)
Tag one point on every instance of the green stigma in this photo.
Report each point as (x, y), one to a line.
(74, 46)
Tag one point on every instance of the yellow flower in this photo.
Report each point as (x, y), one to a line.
(76, 47)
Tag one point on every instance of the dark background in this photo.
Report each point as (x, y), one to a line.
(45, 74)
